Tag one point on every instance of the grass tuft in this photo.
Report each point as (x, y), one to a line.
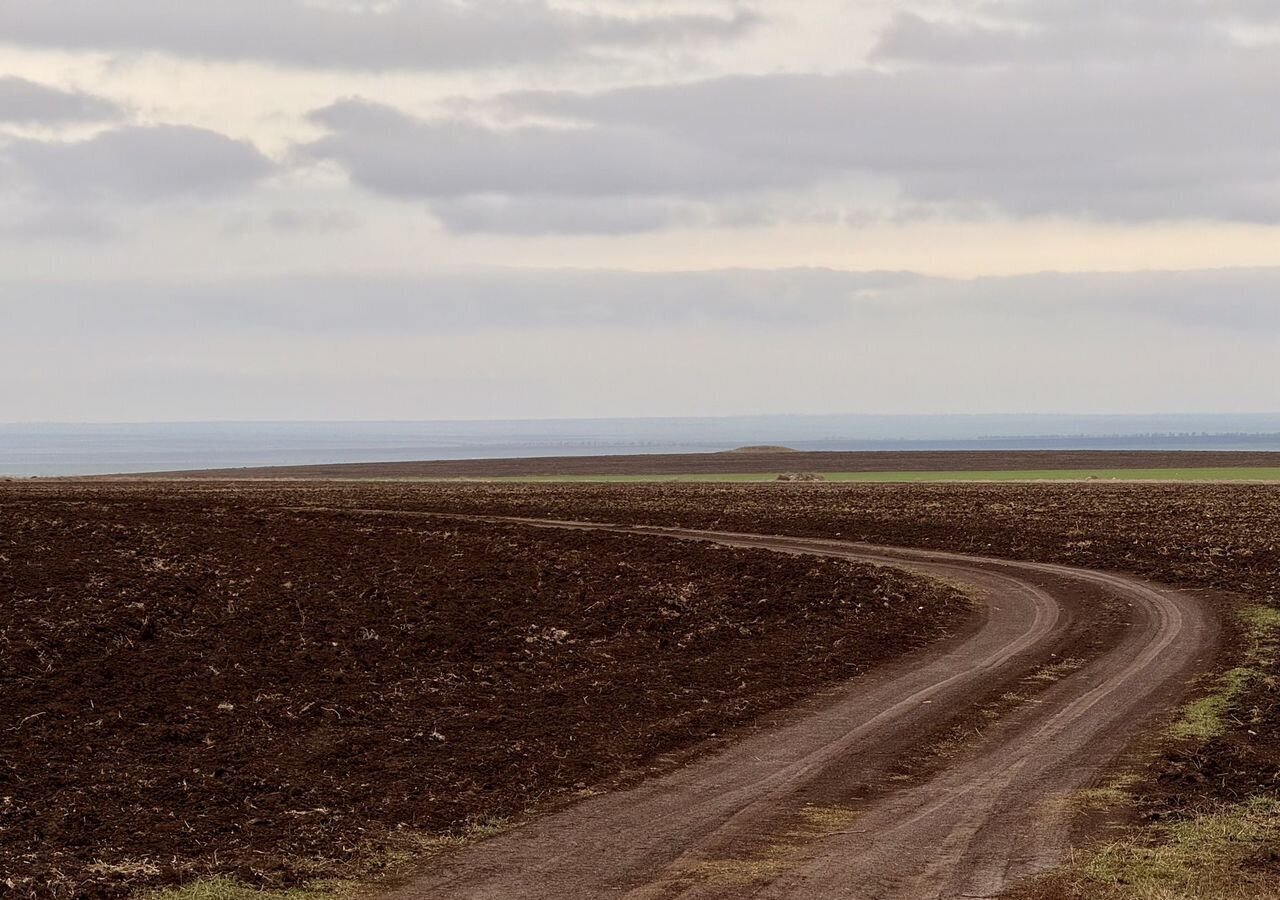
(1226, 854)
(1184, 474)
(1209, 857)
(229, 889)
(1116, 792)
(1206, 718)
(405, 849)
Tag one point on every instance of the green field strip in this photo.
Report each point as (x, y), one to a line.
(1184, 474)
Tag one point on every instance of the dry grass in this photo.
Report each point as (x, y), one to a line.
(1225, 855)
(228, 889)
(762, 866)
(1206, 718)
(408, 849)
(769, 860)
(1231, 853)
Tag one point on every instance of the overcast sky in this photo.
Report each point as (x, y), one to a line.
(373, 209)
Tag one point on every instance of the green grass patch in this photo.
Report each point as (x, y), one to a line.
(1186, 474)
(1209, 857)
(1262, 625)
(1206, 717)
(1220, 855)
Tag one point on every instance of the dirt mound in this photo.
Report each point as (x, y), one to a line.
(801, 476)
(195, 684)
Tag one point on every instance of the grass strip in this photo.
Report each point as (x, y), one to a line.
(1218, 856)
(1206, 718)
(1186, 474)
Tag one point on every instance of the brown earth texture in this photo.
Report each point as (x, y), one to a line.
(198, 670)
(203, 682)
(1225, 537)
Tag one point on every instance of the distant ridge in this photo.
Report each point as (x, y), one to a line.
(104, 449)
(762, 448)
(771, 462)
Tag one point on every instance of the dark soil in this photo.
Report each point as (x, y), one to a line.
(1225, 537)
(200, 682)
(766, 459)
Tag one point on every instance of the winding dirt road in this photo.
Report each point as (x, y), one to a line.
(810, 808)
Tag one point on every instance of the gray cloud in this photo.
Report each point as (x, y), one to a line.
(59, 224)
(456, 302)
(356, 34)
(1048, 33)
(1054, 32)
(136, 163)
(533, 215)
(1155, 140)
(308, 221)
(293, 222)
(515, 343)
(1116, 110)
(395, 154)
(1214, 301)
(1192, 140)
(26, 102)
(1239, 301)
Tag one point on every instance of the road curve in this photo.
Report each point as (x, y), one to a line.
(808, 808)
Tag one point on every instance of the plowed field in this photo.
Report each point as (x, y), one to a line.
(205, 683)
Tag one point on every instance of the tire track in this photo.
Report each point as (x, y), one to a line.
(776, 815)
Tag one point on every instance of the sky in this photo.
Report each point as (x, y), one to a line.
(434, 209)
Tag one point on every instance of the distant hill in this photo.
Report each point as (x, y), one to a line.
(106, 448)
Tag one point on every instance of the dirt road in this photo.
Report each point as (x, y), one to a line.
(811, 807)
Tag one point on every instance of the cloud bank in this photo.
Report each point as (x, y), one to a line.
(1129, 112)
(535, 343)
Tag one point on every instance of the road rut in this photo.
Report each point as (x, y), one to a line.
(808, 808)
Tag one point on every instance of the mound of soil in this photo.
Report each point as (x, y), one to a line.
(198, 683)
(800, 477)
